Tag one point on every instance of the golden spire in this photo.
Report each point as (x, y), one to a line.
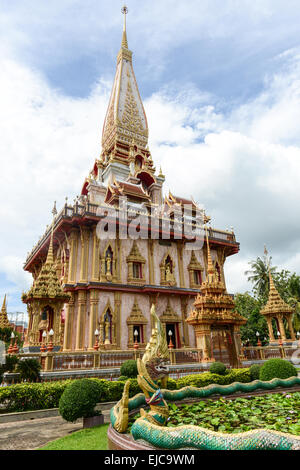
(124, 44)
(210, 266)
(3, 309)
(50, 259)
(4, 323)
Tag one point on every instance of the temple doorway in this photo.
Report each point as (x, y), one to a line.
(222, 345)
(172, 332)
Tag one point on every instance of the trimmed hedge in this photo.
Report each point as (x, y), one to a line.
(277, 368)
(38, 396)
(202, 380)
(217, 368)
(254, 371)
(80, 399)
(129, 369)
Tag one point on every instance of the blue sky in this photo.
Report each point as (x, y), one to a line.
(220, 85)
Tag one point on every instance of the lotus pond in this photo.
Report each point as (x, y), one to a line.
(277, 411)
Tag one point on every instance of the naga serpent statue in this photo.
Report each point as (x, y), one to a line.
(152, 428)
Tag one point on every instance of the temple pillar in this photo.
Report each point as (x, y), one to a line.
(94, 302)
(180, 263)
(270, 328)
(69, 323)
(84, 261)
(237, 343)
(150, 261)
(79, 345)
(96, 257)
(281, 328)
(184, 302)
(203, 341)
(117, 302)
(73, 239)
(291, 328)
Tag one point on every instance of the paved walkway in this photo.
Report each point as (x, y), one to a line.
(34, 433)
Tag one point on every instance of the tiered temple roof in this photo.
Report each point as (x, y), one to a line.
(275, 303)
(47, 284)
(213, 303)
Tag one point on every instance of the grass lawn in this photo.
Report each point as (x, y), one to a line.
(87, 439)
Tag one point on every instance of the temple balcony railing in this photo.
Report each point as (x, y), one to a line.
(258, 353)
(88, 209)
(112, 359)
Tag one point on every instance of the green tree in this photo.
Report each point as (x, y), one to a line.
(249, 306)
(259, 275)
(5, 334)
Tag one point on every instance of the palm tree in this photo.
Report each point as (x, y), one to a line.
(294, 299)
(259, 275)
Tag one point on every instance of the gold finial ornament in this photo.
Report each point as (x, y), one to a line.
(124, 10)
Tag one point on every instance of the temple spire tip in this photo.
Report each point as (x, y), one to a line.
(124, 44)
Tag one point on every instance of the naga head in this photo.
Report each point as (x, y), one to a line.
(156, 357)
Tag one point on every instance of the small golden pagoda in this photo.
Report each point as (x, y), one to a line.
(276, 308)
(216, 324)
(4, 322)
(45, 301)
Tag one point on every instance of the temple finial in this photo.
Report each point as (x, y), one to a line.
(49, 259)
(210, 266)
(124, 44)
(4, 305)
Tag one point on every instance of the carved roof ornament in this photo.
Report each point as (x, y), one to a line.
(4, 322)
(135, 254)
(136, 316)
(125, 118)
(194, 263)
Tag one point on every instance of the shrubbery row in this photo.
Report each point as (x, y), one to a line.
(38, 396)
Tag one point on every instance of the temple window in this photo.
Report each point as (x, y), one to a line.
(137, 330)
(137, 270)
(107, 331)
(139, 163)
(136, 266)
(136, 323)
(195, 272)
(167, 271)
(197, 277)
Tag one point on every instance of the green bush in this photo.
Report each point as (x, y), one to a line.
(29, 369)
(277, 368)
(122, 378)
(207, 378)
(129, 369)
(79, 400)
(254, 371)
(10, 363)
(32, 396)
(217, 368)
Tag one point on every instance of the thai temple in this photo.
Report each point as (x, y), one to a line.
(86, 283)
